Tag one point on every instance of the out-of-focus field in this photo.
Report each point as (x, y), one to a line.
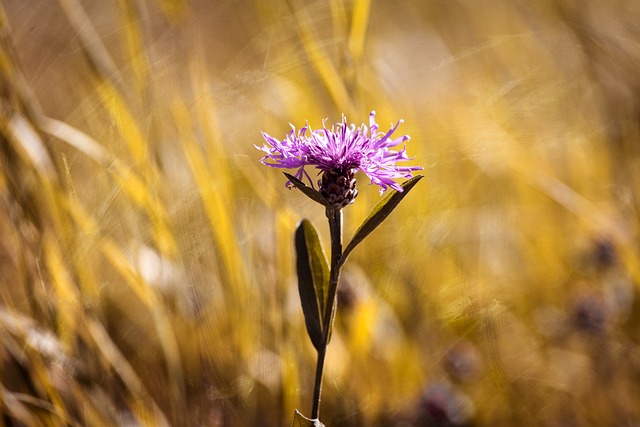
(146, 257)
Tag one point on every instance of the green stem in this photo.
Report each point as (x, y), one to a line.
(335, 230)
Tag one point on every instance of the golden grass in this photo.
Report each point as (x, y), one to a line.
(146, 258)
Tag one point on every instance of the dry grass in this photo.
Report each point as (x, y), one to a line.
(146, 273)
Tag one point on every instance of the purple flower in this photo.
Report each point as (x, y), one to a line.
(341, 150)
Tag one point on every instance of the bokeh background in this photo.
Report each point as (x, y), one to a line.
(146, 257)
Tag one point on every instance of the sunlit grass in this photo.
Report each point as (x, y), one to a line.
(146, 258)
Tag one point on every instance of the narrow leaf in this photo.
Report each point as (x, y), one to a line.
(313, 279)
(300, 420)
(379, 213)
(308, 191)
(319, 267)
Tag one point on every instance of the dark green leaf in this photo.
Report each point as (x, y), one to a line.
(300, 420)
(333, 315)
(308, 191)
(379, 213)
(313, 278)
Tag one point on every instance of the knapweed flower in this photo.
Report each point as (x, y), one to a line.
(339, 152)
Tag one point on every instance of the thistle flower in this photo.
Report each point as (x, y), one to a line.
(339, 152)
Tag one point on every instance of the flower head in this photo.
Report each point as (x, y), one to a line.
(338, 152)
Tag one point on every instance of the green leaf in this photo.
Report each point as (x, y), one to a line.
(300, 420)
(308, 191)
(379, 213)
(333, 316)
(313, 279)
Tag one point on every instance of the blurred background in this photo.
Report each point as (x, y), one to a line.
(146, 256)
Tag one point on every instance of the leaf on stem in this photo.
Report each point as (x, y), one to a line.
(313, 279)
(308, 191)
(300, 420)
(379, 213)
